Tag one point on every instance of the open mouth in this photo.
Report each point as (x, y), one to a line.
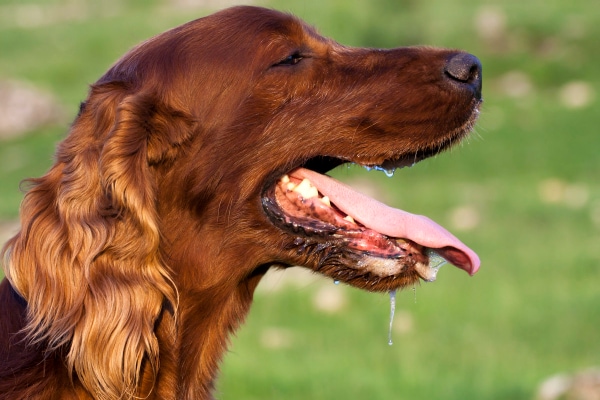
(374, 246)
(387, 242)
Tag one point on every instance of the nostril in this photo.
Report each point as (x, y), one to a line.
(465, 68)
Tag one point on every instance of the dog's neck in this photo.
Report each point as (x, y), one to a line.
(193, 340)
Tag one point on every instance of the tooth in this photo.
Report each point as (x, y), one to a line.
(306, 189)
(326, 201)
(349, 219)
(285, 179)
(291, 186)
(425, 272)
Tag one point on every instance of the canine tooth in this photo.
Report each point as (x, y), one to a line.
(291, 186)
(326, 201)
(306, 189)
(349, 219)
(425, 272)
(285, 179)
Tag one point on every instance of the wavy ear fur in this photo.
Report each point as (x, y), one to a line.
(87, 259)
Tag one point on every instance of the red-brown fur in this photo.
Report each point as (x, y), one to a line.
(140, 249)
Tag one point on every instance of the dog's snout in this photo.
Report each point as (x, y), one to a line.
(465, 68)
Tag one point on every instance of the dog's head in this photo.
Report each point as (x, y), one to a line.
(275, 104)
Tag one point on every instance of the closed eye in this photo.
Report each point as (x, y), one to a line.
(292, 59)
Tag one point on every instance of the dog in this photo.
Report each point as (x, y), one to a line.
(197, 163)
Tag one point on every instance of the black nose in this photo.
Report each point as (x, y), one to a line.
(465, 68)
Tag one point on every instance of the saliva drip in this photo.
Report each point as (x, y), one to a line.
(435, 263)
(392, 311)
(336, 282)
(415, 293)
(435, 260)
(388, 172)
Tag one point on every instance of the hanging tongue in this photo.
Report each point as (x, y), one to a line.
(393, 222)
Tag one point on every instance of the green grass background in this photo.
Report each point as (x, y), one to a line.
(530, 175)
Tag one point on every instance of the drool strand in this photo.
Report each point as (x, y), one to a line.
(392, 311)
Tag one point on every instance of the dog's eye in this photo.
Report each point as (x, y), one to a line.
(292, 59)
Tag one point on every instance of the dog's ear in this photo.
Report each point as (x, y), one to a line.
(87, 259)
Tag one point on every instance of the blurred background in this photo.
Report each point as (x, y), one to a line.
(523, 191)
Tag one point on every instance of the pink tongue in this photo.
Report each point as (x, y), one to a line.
(393, 222)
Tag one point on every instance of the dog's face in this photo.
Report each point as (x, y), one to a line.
(286, 104)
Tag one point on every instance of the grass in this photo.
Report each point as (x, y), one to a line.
(528, 177)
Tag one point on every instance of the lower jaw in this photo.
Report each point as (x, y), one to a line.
(369, 270)
(370, 257)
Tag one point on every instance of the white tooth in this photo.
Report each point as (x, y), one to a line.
(291, 186)
(285, 179)
(349, 219)
(326, 201)
(306, 189)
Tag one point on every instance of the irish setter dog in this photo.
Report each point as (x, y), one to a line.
(197, 163)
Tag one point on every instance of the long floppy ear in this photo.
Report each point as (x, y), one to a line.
(87, 259)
